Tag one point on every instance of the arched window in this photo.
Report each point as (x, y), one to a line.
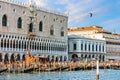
(31, 27)
(62, 31)
(4, 20)
(52, 30)
(41, 26)
(19, 23)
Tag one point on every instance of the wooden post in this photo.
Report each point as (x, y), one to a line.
(97, 69)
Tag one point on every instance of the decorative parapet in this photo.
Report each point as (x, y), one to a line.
(15, 2)
(22, 3)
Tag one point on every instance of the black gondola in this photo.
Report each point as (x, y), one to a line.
(3, 70)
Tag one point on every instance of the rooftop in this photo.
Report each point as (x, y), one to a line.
(97, 29)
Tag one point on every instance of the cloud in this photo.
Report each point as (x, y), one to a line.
(112, 24)
(79, 10)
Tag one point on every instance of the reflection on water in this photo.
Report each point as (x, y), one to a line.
(71, 75)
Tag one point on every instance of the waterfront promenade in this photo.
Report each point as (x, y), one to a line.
(19, 67)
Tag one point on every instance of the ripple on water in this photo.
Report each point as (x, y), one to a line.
(72, 75)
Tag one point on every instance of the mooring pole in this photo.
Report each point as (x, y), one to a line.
(97, 70)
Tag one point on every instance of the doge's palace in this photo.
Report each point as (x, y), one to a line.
(27, 26)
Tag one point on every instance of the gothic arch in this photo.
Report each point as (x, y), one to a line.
(19, 23)
(41, 26)
(4, 20)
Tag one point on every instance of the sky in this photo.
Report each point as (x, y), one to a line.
(105, 13)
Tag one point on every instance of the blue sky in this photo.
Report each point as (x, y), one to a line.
(106, 13)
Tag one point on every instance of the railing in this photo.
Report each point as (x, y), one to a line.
(15, 2)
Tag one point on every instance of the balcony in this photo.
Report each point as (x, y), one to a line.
(31, 34)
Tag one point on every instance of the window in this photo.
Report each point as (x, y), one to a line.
(14, 10)
(99, 47)
(41, 26)
(93, 47)
(4, 20)
(52, 30)
(82, 46)
(60, 21)
(96, 47)
(103, 48)
(74, 46)
(31, 27)
(24, 12)
(19, 23)
(0, 7)
(62, 31)
(89, 47)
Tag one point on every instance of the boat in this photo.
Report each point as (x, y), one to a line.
(3, 70)
(54, 69)
(63, 68)
(21, 70)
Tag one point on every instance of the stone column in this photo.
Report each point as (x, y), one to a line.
(0, 43)
(18, 45)
(21, 57)
(47, 47)
(104, 48)
(15, 45)
(39, 45)
(87, 46)
(3, 57)
(12, 45)
(3, 44)
(98, 47)
(90, 47)
(21, 45)
(83, 46)
(9, 57)
(6, 45)
(78, 46)
(9, 44)
(94, 47)
(50, 48)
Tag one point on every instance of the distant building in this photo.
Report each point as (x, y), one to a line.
(26, 26)
(112, 39)
(86, 48)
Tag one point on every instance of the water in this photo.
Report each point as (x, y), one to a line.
(71, 75)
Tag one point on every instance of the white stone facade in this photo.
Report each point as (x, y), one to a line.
(43, 32)
(86, 48)
(112, 39)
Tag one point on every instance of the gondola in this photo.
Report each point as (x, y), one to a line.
(3, 70)
(21, 70)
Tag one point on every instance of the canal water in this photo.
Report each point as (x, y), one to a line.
(71, 75)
